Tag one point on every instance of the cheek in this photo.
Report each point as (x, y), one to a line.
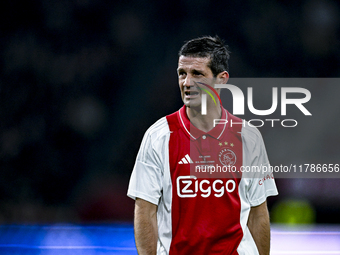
(181, 88)
(180, 84)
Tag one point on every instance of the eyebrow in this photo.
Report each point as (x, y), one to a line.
(179, 69)
(192, 70)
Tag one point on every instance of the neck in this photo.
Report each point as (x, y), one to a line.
(204, 122)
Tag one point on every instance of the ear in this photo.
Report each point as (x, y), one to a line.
(223, 77)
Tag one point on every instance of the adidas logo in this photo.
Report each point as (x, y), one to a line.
(186, 160)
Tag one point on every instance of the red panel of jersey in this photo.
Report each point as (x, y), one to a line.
(205, 206)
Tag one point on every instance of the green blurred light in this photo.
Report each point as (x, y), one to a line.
(293, 211)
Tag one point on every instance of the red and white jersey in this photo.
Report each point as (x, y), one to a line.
(201, 212)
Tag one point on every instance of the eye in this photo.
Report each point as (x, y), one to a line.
(197, 73)
(181, 73)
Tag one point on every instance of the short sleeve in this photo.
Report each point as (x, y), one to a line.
(262, 182)
(147, 175)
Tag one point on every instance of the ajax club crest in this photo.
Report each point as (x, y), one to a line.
(227, 157)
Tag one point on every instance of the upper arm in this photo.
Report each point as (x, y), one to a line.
(144, 207)
(258, 212)
(145, 227)
(259, 227)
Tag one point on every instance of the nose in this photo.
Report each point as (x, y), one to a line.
(187, 81)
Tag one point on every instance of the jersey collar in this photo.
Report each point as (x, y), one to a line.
(194, 133)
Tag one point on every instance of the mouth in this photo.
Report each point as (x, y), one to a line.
(191, 93)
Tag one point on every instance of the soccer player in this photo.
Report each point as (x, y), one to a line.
(180, 207)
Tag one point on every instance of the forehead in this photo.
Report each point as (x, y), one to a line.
(185, 62)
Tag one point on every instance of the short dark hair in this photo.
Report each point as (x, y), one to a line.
(208, 46)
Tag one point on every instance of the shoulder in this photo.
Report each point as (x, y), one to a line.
(154, 139)
(164, 125)
(160, 127)
(157, 131)
(251, 133)
(252, 139)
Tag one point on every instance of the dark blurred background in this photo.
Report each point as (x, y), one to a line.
(82, 80)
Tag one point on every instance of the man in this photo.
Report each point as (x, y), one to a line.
(182, 209)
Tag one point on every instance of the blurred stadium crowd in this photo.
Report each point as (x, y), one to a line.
(81, 81)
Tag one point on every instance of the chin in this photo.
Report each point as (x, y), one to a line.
(193, 106)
